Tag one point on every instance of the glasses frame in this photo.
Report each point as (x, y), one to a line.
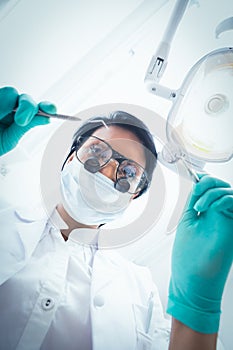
(118, 157)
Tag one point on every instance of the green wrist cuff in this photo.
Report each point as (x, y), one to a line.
(198, 320)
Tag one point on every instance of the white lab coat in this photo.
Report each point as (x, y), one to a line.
(36, 271)
(22, 233)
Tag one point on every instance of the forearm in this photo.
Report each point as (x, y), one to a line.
(184, 338)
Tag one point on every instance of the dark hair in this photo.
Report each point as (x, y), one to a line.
(125, 121)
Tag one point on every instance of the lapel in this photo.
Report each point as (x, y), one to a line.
(30, 233)
(20, 233)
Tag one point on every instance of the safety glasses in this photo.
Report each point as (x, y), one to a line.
(95, 153)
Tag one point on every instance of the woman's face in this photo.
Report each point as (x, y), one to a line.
(124, 142)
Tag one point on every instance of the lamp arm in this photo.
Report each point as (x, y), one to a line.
(159, 60)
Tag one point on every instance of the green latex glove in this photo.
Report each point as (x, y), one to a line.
(202, 256)
(14, 126)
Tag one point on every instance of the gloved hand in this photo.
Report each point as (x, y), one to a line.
(202, 256)
(14, 126)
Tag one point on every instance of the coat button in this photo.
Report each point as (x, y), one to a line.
(98, 301)
(47, 304)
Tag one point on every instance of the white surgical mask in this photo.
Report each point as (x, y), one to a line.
(88, 198)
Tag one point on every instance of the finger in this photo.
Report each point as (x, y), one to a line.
(27, 109)
(201, 175)
(224, 203)
(47, 107)
(192, 199)
(8, 100)
(14, 132)
(36, 121)
(207, 182)
(211, 196)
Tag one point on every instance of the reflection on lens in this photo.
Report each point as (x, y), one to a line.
(94, 148)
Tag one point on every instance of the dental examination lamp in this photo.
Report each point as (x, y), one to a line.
(199, 126)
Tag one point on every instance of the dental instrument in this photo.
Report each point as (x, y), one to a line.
(57, 116)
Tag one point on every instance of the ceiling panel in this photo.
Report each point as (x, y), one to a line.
(41, 40)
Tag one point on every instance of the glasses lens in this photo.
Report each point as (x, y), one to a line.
(94, 148)
(134, 174)
(95, 151)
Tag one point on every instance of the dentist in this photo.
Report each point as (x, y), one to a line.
(57, 294)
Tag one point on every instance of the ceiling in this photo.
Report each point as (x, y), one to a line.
(42, 40)
(53, 49)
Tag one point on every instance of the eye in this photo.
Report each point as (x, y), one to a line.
(96, 149)
(129, 171)
(105, 155)
(100, 151)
